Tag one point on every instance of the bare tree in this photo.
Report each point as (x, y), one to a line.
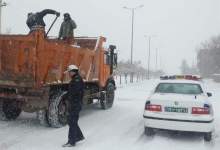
(208, 57)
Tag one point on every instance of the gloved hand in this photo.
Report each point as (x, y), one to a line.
(57, 14)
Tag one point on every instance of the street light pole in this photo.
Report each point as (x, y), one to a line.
(132, 28)
(156, 68)
(132, 36)
(149, 52)
(149, 55)
(2, 4)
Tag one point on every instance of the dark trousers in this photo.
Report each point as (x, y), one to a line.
(75, 134)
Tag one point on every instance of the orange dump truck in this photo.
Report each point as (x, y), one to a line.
(32, 78)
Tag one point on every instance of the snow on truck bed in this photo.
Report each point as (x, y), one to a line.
(120, 128)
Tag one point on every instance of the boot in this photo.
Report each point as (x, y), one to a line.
(68, 145)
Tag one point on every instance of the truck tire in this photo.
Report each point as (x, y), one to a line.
(57, 111)
(107, 97)
(9, 110)
(2, 114)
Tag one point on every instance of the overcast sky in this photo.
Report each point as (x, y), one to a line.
(179, 25)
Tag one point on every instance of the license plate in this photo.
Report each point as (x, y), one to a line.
(176, 109)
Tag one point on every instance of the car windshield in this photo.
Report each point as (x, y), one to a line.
(179, 88)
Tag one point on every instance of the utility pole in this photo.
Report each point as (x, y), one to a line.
(132, 28)
(149, 52)
(149, 55)
(132, 36)
(156, 59)
(2, 4)
(161, 63)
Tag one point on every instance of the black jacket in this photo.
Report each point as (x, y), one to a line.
(75, 93)
(37, 18)
(66, 29)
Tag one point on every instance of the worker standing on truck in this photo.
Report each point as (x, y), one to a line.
(66, 30)
(75, 96)
(37, 19)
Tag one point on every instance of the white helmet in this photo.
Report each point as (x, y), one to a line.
(71, 68)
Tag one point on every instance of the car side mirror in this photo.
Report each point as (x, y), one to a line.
(209, 94)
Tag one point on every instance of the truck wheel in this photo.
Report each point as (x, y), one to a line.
(149, 131)
(2, 114)
(107, 97)
(9, 110)
(57, 111)
(208, 136)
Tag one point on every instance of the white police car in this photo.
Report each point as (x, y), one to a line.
(179, 103)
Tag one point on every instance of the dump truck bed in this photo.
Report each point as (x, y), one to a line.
(35, 61)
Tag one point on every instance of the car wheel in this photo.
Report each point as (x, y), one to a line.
(208, 136)
(149, 131)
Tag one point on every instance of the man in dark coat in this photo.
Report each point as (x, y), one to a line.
(75, 96)
(37, 19)
(66, 30)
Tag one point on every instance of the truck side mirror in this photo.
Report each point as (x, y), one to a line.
(112, 57)
(112, 47)
(209, 94)
(115, 60)
(107, 58)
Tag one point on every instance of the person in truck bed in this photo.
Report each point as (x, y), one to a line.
(66, 30)
(37, 19)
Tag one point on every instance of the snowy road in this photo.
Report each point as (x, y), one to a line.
(120, 128)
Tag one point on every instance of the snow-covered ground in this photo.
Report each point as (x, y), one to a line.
(120, 128)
